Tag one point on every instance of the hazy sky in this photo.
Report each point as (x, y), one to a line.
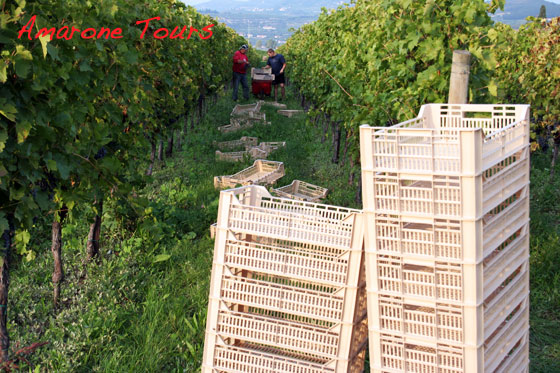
(194, 2)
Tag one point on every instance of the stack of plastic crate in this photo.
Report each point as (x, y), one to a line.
(446, 205)
(287, 293)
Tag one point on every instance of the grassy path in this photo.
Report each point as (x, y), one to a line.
(144, 308)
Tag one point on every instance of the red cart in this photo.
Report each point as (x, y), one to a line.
(261, 82)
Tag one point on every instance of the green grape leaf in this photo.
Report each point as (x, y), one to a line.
(53, 52)
(161, 258)
(42, 199)
(23, 53)
(22, 67)
(84, 66)
(23, 128)
(8, 111)
(3, 139)
(493, 88)
(63, 167)
(51, 164)
(3, 222)
(44, 40)
(3, 71)
(21, 240)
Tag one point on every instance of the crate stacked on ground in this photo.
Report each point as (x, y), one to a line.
(446, 205)
(244, 116)
(261, 81)
(253, 153)
(275, 104)
(246, 110)
(262, 172)
(290, 113)
(260, 151)
(245, 142)
(287, 292)
(302, 191)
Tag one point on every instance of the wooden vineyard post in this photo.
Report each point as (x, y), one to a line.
(459, 80)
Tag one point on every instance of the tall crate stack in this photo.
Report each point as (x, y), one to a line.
(446, 205)
(287, 292)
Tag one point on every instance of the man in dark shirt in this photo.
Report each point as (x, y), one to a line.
(277, 63)
(240, 63)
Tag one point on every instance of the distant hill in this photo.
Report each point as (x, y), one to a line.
(521, 9)
(288, 6)
(265, 20)
(514, 9)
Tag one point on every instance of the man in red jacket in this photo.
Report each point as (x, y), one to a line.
(240, 63)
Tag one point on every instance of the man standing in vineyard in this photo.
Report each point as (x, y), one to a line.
(240, 63)
(277, 63)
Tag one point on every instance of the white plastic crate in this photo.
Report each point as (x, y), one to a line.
(246, 109)
(261, 172)
(446, 203)
(314, 263)
(290, 113)
(232, 127)
(447, 139)
(213, 230)
(255, 152)
(238, 123)
(238, 359)
(261, 74)
(304, 300)
(270, 331)
(446, 196)
(517, 359)
(249, 116)
(253, 210)
(245, 142)
(272, 145)
(274, 104)
(445, 321)
(394, 353)
(252, 153)
(451, 240)
(442, 163)
(282, 295)
(302, 191)
(251, 358)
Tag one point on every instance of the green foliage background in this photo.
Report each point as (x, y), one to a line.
(62, 102)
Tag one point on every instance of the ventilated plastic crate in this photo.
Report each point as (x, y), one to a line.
(288, 287)
(272, 145)
(448, 321)
(239, 123)
(261, 172)
(234, 126)
(248, 116)
(446, 203)
(453, 140)
(246, 109)
(397, 353)
(254, 211)
(252, 153)
(290, 113)
(253, 358)
(261, 74)
(274, 104)
(301, 190)
(255, 152)
(269, 77)
(245, 142)
(213, 230)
